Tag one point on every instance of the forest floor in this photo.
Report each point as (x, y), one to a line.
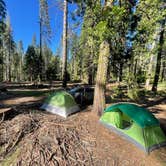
(30, 136)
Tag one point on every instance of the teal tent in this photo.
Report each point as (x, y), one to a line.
(136, 124)
(60, 103)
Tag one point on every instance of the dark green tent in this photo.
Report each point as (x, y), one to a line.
(136, 124)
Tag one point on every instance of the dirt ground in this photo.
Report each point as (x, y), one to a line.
(78, 140)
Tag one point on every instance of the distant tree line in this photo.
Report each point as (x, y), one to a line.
(37, 63)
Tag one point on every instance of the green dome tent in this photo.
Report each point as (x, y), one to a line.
(60, 103)
(136, 124)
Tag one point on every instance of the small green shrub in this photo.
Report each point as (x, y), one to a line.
(141, 77)
(133, 93)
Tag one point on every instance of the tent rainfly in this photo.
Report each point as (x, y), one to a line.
(60, 103)
(136, 124)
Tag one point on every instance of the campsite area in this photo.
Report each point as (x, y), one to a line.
(82, 83)
(31, 136)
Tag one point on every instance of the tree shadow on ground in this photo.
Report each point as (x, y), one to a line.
(25, 108)
(153, 103)
(24, 93)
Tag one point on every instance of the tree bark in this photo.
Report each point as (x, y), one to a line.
(163, 73)
(150, 66)
(135, 68)
(158, 65)
(7, 67)
(40, 63)
(149, 72)
(21, 68)
(64, 57)
(120, 71)
(99, 96)
(10, 62)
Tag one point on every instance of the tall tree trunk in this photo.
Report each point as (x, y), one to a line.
(7, 66)
(31, 78)
(45, 67)
(149, 72)
(135, 68)
(81, 66)
(20, 72)
(40, 58)
(99, 96)
(4, 66)
(158, 65)
(45, 34)
(120, 71)
(163, 73)
(10, 66)
(90, 78)
(91, 65)
(74, 68)
(64, 56)
(4, 62)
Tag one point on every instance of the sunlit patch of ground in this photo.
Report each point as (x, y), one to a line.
(20, 100)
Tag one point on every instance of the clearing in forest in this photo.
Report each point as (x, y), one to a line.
(30, 136)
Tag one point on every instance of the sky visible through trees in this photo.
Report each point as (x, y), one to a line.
(25, 20)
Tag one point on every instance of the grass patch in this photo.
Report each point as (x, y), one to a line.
(9, 160)
(162, 85)
(151, 94)
(1, 150)
(133, 94)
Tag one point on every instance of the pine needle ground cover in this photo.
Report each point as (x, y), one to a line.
(38, 138)
(44, 140)
(29, 136)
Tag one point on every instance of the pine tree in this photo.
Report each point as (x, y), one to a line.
(31, 63)
(159, 54)
(2, 30)
(9, 46)
(20, 51)
(45, 33)
(34, 43)
(64, 56)
(89, 46)
(2, 17)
